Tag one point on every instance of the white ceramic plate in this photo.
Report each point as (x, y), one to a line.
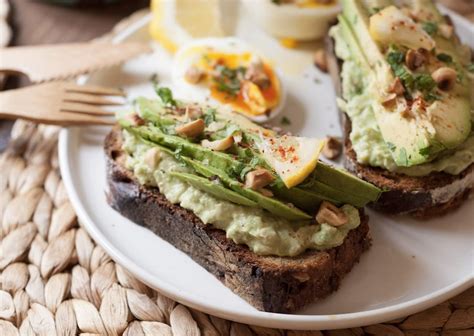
(412, 265)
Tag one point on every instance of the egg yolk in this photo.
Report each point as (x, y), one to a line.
(247, 84)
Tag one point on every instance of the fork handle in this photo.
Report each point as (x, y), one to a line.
(11, 62)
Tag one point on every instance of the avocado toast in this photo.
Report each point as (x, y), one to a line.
(405, 84)
(254, 208)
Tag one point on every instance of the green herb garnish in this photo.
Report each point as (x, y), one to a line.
(229, 80)
(166, 96)
(430, 27)
(444, 58)
(424, 83)
(470, 67)
(285, 121)
(374, 10)
(412, 82)
(249, 167)
(209, 116)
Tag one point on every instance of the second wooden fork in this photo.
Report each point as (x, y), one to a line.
(60, 103)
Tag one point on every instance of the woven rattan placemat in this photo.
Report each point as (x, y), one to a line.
(55, 280)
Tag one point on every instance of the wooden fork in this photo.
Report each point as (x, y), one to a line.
(60, 103)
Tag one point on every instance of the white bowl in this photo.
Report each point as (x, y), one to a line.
(289, 21)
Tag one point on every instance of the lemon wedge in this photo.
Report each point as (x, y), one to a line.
(391, 25)
(176, 22)
(293, 158)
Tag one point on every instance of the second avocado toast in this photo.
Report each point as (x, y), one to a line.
(407, 103)
(253, 207)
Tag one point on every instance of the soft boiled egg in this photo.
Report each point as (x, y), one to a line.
(227, 72)
(298, 20)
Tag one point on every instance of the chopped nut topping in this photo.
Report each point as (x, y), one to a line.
(445, 78)
(266, 192)
(191, 129)
(193, 112)
(414, 59)
(332, 148)
(320, 60)
(257, 179)
(389, 100)
(152, 157)
(396, 87)
(194, 75)
(219, 145)
(330, 214)
(135, 119)
(446, 30)
(237, 137)
(256, 74)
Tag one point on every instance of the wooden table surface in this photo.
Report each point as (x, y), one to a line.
(38, 22)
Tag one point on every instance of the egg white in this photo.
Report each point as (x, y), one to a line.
(192, 52)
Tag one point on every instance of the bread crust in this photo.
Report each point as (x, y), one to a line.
(423, 197)
(269, 283)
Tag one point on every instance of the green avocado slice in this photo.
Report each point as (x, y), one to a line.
(214, 189)
(272, 205)
(412, 141)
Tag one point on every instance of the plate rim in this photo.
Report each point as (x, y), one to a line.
(273, 320)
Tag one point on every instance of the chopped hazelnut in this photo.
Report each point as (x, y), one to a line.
(219, 145)
(445, 78)
(266, 192)
(330, 214)
(389, 100)
(396, 87)
(414, 59)
(257, 179)
(320, 60)
(135, 119)
(332, 148)
(193, 112)
(191, 129)
(446, 30)
(194, 75)
(256, 74)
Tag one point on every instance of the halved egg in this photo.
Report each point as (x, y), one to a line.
(228, 72)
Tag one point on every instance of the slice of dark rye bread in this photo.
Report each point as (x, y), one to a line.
(424, 197)
(273, 284)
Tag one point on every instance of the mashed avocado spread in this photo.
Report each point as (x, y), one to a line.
(366, 137)
(262, 232)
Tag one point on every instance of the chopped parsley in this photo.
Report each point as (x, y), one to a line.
(166, 96)
(424, 83)
(229, 80)
(249, 167)
(470, 67)
(374, 10)
(285, 121)
(277, 2)
(209, 116)
(412, 82)
(444, 58)
(430, 27)
(154, 79)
